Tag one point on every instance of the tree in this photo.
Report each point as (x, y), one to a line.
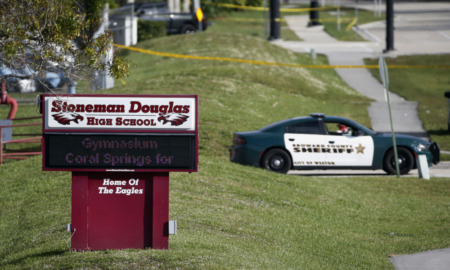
(44, 35)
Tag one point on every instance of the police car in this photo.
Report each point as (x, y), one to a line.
(328, 142)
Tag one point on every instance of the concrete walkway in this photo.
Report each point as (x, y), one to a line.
(428, 33)
(420, 28)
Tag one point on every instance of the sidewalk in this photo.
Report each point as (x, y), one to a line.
(420, 28)
(428, 34)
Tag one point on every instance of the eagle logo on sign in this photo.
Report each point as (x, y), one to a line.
(173, 119)
(65, 118)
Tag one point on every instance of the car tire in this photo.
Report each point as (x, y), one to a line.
(188, 29)
(277, 160)
(406, 161)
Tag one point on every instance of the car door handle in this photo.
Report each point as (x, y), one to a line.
(291, 139)
(331, 142)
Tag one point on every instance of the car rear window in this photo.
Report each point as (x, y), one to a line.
(304, 128)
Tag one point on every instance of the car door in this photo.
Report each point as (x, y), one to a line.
(349, 147)
(307, 143)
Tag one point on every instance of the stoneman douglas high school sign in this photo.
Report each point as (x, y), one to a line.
(129, 113)
(120, 149)
(120, 132)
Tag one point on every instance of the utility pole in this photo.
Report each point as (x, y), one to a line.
(389, 25)
(274, 10)
(197, 9)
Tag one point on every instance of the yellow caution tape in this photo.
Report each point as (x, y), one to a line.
(307, 9)
(237, 6)
(254, 62)
(351, 24)
(265, 9)
(244, 20)
(281, 20)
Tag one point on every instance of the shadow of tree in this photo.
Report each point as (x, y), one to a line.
(19, 261)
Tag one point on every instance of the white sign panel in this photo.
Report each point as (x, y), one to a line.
(120, 112)
(329, 150)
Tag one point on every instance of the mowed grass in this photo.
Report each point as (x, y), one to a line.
(232, 216)
(251, 23)
(349, 17)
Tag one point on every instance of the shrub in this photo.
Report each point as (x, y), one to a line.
(255, 3)
(150, 29)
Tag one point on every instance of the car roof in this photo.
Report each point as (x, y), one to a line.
(311, 117)
(314, 116)
(284, 122)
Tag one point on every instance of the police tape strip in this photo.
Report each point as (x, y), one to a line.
(355, 20)
(265, 9)
(244, 20)
(254, 62)
(282, 20)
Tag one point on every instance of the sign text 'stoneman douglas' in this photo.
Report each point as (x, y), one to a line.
(130, 113)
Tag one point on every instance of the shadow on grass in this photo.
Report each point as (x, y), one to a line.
(17, 262)
(439, 132)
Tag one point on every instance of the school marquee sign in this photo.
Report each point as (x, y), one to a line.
(120, 132)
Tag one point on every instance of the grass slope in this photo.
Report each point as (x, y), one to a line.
(232, 216)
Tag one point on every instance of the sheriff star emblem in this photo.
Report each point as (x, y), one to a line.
(360, 149)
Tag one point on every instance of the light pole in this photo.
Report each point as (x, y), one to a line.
(274, 10)
(389, 25)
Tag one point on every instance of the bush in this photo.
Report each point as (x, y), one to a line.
(212, 10)
(150, 29)
(254, 3)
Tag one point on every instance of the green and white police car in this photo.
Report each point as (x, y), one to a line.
(328, 142)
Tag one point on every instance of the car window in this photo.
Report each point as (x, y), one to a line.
(312, 127)
(341, 129)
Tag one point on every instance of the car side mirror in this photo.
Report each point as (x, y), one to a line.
(358, 132)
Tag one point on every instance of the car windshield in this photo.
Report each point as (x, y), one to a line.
(355, 126)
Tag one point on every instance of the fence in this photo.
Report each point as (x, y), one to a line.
(6, 138)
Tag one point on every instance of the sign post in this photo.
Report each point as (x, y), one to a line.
(120, 149)
(385, 78)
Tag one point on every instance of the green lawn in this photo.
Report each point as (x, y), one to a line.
(349, 17)
(256, 23)
(339, 27)
(251, 23)
(232, 216)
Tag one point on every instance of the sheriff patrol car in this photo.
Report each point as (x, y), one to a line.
(327, 142)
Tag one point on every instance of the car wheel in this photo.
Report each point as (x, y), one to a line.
(277, 160)
(188, 29)
(405, 161)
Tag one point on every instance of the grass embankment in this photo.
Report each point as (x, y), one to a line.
(425, 85)
(232, 216)
(349, 17)
(257, 23)
(250, 23)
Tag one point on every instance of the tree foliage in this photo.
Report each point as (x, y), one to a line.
(42, 35)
